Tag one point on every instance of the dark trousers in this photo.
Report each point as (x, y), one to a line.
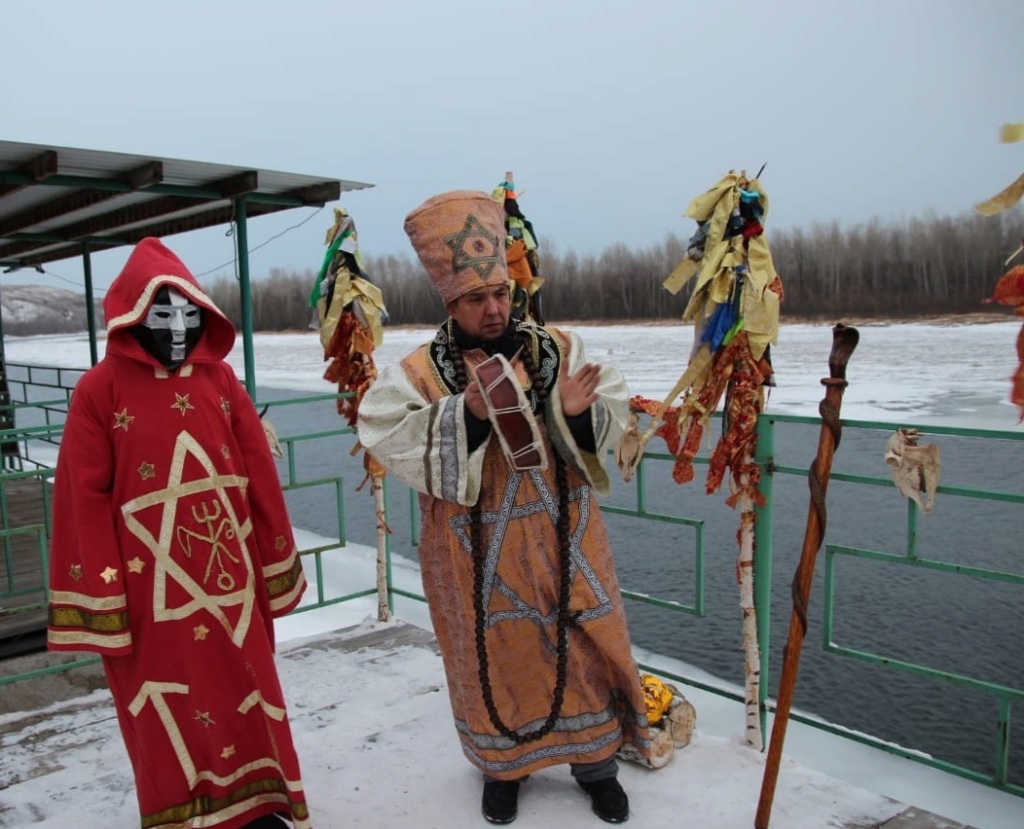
(588, 772)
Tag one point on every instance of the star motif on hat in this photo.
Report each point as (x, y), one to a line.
(146, 470)
(200, 632)
(228, 751)
(75, 572)
(181, 403)
(109, 575)
(474, 247)
(136, 565)
(122, 419)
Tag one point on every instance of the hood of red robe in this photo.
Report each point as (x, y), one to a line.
(151, 266)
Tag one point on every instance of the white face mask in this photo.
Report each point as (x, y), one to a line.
(175, 327)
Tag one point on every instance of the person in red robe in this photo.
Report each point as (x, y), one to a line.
(171, 554)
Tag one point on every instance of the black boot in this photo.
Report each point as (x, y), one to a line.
(609, 801)
(267, 822)
(501, 800)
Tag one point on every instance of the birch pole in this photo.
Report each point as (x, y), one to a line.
(375, 475)
(377, 488)
(745, 578)
(844, 341)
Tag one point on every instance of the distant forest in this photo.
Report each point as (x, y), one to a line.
(920, 267)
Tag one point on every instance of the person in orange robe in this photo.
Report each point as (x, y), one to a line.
(517, 568)
(172, 552)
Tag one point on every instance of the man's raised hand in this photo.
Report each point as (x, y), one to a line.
(578, 392)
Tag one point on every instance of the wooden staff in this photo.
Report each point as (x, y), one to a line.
(844, 341)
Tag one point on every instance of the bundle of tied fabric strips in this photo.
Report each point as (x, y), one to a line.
(1009, 289)
(351, 313)
(521, 255)
(734, 307)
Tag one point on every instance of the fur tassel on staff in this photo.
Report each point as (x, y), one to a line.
(844, 341)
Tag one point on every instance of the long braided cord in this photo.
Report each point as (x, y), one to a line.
(565, 619)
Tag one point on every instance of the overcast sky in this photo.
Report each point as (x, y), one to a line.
(613, 115)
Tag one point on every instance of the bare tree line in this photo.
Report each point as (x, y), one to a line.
(934, 265)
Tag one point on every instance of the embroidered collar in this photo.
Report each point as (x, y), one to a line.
(542, 347)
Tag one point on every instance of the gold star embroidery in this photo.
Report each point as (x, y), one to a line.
(229, 751)
(225, 405)
(109, 575)
(204, 718)
(136, 565)
(181, 403)
(281, 543)
(76, 571)
(225, 451)
(200, 632)
(122, 419)
(146, 470)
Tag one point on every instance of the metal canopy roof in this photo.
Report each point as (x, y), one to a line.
(58, 202)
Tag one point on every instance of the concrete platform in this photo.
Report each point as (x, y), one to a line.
(372, 724)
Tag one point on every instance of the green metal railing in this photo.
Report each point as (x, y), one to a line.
(16, 586)
(1006, 697)
(294, 483)
(910, 557)
(697, 525)
(39, 398)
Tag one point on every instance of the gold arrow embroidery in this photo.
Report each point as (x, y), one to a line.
(155, 692)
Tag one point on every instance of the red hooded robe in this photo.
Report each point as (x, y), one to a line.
(171, 553)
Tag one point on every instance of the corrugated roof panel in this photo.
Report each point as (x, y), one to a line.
(62, 205)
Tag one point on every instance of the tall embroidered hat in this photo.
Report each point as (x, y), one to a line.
(460, 240)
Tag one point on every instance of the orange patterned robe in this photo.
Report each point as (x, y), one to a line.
(412, 422)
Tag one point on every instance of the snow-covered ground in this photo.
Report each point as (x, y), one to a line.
(372, 758)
